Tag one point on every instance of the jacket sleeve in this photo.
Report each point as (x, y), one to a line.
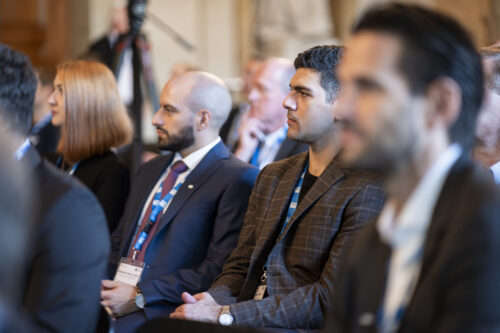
(227, 223)
(304, 307)
(226, 287)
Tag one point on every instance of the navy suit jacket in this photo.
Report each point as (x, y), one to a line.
(195, 235)
(67, 259)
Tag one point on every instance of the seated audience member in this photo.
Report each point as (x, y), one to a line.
(43, 135)
(87, 106)
(262, 131)
(185, 209)
(229, 131)
(412, 86)
(70, 245)
(303, 213)
(487, 149)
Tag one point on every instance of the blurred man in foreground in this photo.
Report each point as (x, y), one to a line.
(412, 86)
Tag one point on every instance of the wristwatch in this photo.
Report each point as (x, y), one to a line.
(225, 316)
(139, 299)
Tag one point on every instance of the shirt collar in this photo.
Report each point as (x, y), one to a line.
(21, 151)
(277, 135)
(415, 215)
(193, 159)
(495, 169)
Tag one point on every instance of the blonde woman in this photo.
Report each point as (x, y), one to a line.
(87, 106)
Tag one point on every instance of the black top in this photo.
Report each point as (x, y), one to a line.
(108, 178)
(45, 141)
(306, 184)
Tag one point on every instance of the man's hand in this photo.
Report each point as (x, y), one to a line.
(119, 297)
(200, 307)
(250, 132)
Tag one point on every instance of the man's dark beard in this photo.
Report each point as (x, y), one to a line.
(178, 142)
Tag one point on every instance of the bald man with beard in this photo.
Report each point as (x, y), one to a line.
(185, 209)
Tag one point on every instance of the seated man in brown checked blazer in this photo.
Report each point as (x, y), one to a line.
(303, 212)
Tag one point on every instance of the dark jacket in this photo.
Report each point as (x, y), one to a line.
(458, 289)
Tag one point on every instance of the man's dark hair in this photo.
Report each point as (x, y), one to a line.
(18, 85)
(433, 46)
(324, 60)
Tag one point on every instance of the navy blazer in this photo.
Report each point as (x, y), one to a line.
(68, 253)
(195, 235)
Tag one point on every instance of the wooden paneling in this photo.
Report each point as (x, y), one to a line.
(36, 27)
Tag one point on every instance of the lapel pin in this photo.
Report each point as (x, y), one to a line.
(190, 186)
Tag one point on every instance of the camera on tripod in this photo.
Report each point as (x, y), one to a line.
(136, 14)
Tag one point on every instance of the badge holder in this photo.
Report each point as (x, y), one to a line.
(262, 287)
(129, 271)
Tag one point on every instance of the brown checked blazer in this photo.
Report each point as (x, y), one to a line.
(303, 262)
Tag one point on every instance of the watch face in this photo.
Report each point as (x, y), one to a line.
(140, 301)
(226, 319)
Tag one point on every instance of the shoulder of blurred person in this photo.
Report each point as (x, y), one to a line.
(70, 247)
(17, 201)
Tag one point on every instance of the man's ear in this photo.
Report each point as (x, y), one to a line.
(203, 118)
(445, 101)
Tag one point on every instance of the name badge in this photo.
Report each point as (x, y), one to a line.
(259, 294)
(129, 271)
(261, 288)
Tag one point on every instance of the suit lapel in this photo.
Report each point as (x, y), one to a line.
(280, 201)
(196, 178)
(441, 214)
(330, 176)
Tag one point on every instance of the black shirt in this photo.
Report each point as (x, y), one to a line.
(306, 184)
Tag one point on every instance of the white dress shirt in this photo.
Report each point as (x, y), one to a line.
(271, 146)
(191, 161)
(405, 234)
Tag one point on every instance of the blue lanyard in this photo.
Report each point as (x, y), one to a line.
(21, 151)
(73, 168)
(295, 199)
(291, 209)
(156, 207)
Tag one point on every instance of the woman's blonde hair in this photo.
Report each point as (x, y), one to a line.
(95, 117)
